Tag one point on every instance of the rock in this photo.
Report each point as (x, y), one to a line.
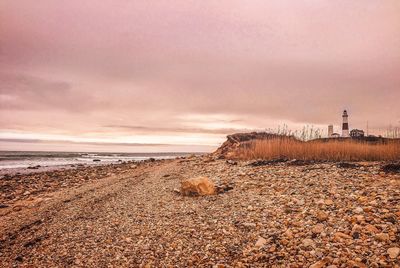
(359, 218)
(382, 237)
(346, 165)
(34, 167)
(308, 243)
(260, 242)
(322, 216)
(96, 160)
(358, 210)
(19, 258)
(272, 249)
(3, 205)
(370, 229)
(231, 162)
(225, 187)
(249, 224)
(339, 236)
(289, 234)
(208, 159)
(356, 264)
(198, 186)
(328, 202)
(373, 203)
(393, 252)
(296, 162)
(319, 264)
(356, 235)
(299, 202)
(317, 229)
(391, 168)
(259, 163)
(356, 228)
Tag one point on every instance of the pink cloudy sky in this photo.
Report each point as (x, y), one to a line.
(118, 75)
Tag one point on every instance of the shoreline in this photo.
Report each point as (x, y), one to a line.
(29, 182)
(25, 162)
(40, 169)
(130, 215)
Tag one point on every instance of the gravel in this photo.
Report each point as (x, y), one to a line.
(127, 215)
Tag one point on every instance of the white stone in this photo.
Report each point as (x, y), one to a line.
(358, 210)
(260, 242)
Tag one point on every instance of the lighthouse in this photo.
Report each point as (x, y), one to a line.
(345, 126)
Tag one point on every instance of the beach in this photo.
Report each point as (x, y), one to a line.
(215, 134)
(268, 214)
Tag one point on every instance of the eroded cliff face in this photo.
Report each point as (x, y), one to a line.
(234, 142)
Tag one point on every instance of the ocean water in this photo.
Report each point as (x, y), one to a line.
(20, 160)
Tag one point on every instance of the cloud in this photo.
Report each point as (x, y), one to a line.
(145, 129)
(83, 143)
(138, 67)
(19, 91)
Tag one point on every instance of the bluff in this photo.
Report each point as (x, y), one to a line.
(238, 141)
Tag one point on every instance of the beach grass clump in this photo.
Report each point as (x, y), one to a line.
(320, 150)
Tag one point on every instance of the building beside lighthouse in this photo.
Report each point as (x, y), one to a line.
(345, 125)
(332, 134)
(330, 130)
(357, 133)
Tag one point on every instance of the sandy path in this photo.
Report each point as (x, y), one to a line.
(75, 223)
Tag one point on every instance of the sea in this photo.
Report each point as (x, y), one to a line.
(30, 160)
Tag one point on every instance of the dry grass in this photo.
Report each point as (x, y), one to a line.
(332, 150)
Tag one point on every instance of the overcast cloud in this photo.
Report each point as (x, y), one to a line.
(189, 72)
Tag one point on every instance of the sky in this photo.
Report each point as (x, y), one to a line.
(179, 75)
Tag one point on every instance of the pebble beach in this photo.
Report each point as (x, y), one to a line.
(266, 215)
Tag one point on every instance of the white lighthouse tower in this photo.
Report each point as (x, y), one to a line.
(345, 126)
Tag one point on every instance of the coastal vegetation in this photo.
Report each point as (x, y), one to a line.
(320, 149)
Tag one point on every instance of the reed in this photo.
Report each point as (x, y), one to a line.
(306, 133)
(326, 150)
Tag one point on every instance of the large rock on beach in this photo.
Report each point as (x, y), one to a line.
(198, 186)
